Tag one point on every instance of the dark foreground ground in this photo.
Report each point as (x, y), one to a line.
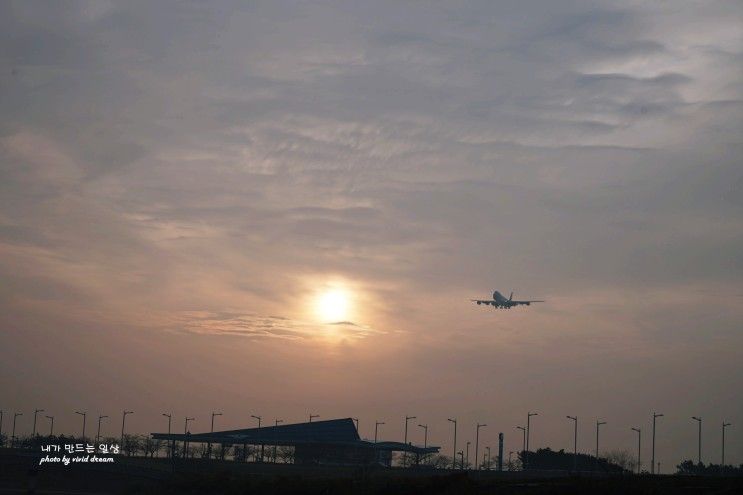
(159, 476)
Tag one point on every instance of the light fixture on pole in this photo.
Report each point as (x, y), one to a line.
(275, 434)
(598, 423)
(575, 442)
(185, 437)
(454, 457)
(425, 435)
(170, 417)
(83, 414)
(36, 411)
(12, 437)
(639, 449)
(123, 422)
(528, 431)
(376, 429)
(209, 444)
(98, 433)
(722, 463)
(652, 462)
(477, 443)
(699, 444)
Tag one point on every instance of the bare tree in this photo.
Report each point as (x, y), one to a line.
(286, 454)
(132, 445)
(623, 459)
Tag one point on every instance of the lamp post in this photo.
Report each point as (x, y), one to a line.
(275, 434)
(425, 435)
(376, 429)
(312, 416)
(209, 444)
(185, 438)
(407, 418)
(170, 417)
(575, 442)
(477, 443)
(98, 433)
(639, 450)
(51, 428)
(259, 427)
(523, 446)
(598, 423)
(454, 457)
(699, 444)
(722, 463)
(123, 422)
(36, 411)
(528, 431)
(83, 415)
(12, 437)
(652, 462)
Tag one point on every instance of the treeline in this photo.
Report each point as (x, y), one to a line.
(548, 459)
(702, 469)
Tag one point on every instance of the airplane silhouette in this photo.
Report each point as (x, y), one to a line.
(499, 301)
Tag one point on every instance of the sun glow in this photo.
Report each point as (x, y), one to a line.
(332, 305)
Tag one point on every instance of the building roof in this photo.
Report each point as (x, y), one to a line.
(328, 432)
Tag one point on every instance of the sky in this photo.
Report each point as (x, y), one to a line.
(283, 209)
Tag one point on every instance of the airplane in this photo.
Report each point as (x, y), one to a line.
(499, 301)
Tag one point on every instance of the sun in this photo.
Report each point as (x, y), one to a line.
(332, 305)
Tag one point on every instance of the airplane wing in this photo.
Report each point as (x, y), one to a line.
(526, 302)
(483, 301)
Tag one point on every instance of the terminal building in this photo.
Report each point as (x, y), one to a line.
(331, 442)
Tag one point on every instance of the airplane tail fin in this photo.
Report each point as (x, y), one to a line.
(511, 298)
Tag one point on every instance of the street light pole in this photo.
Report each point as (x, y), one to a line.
(477, 443)
(259, 427)
(36, 411)
(699, 444)
(598, 423)
(98, 433)
(51, 429)
(528, 431)
(12, 437)
(639, 449)
(275, 441)
(83, 415)
(454, 458)
(407, 418)
(123, 421)
(722, 463)
(523, 445)
(575, 442)
(313, 416)
(209, 444)
(185, 441)
(170, 444)
(425, 435)
(376, 429)
(652, 462)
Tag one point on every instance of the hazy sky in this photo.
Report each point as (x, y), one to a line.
(180, 183)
